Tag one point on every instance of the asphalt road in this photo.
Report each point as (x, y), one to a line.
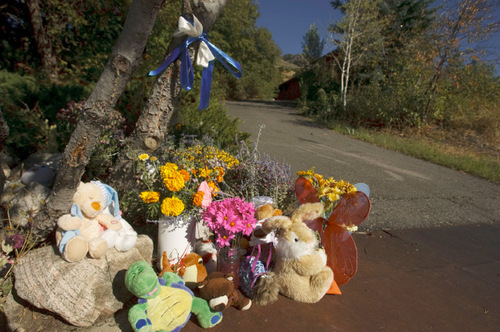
(406, 192)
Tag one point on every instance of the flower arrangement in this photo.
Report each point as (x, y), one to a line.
(185, 182)
(329, 191)
(229, 220)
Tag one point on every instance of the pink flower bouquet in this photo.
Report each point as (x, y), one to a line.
(229, 219)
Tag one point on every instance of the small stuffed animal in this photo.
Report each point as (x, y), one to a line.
(218, 289)
(165, 304)
(264, 209)
(125, 238)
(300, 272)
(191, 269)
(208, 252)
(80, 232)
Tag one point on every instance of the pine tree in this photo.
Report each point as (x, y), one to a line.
(312, 44)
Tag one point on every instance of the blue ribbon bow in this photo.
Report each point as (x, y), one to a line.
(187, 76)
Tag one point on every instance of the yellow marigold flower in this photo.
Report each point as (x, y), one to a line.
(144, 156)
(169, 166)
(205, 172)
(172, 207)
(213, 186)
(173, 179)
(198, 198)
(153, 158)
(185, 175)
(150, 196)
(174, 182)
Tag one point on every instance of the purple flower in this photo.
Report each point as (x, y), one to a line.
(16, 240)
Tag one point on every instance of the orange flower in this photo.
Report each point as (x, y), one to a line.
(185, 175)
(198, 198)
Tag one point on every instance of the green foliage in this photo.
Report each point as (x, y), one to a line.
(28, 130)
(236, 33)
(470, 100)
(213, 122)
(30, 108)
(312, 44)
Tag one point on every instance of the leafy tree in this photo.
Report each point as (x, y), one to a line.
(62, 33)
(358, 34)
(237, 34)
(457, 29)
(312, 44)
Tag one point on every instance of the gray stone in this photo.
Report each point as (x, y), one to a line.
(23, 201)
(79, 292)
(40, 174)
(49, 160)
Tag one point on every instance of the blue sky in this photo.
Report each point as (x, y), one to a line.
(288, 21)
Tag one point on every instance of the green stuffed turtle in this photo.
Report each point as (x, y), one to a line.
(165, 304)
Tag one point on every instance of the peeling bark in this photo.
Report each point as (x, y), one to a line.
(152, 126)
(124, 60)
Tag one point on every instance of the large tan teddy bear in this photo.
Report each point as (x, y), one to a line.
(300, 272)
(83, 231)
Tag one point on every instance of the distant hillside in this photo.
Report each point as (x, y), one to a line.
(290, 64)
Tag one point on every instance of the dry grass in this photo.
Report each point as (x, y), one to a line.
(462, 150)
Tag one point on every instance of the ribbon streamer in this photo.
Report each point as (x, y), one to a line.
(207, 53)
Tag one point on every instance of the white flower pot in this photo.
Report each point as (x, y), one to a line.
(176, 236)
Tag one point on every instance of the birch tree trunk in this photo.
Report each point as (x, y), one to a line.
(43, 44)
(152, 125)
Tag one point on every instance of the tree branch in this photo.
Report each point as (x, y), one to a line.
(152, 125)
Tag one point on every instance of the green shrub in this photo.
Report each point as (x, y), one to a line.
(28, 130)
(30, 109)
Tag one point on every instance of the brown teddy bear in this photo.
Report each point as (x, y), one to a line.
(218, 289)
(300, 272)
(191, 269)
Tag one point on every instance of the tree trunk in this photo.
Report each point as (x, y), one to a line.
(4, 133)
(152, 125)
(43, 44)
(124, 59)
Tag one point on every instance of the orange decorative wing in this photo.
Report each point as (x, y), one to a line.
(341, 253)
(305, 191)
(340, 248)
(351, 210)
(316, 225)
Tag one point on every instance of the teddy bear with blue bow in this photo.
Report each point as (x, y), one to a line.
(94, 224)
